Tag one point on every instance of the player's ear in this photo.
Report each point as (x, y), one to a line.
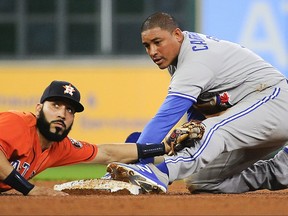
(38, 108)
(178, 34)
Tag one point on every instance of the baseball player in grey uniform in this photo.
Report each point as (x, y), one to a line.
(240, 98)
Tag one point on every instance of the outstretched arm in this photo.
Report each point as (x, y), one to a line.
(128, 152)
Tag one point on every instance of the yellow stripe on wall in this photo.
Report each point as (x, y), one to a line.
(117, 100)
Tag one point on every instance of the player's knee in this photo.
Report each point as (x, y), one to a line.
(200, 186)
(189, 184)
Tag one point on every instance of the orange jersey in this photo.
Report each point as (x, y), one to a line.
(20, 144)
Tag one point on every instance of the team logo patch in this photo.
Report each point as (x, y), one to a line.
(68, 89)
(76, 143)
(224, 98)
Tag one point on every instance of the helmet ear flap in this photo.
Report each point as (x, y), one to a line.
(133, 137)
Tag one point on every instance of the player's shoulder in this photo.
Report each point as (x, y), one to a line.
(26, 117)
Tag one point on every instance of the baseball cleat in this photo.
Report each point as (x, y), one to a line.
(147, 176)
(132, 138)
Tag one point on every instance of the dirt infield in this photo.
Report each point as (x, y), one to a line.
(178, 201)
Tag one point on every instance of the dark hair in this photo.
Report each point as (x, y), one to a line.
(160, 19)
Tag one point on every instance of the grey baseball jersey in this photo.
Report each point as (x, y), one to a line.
(251, 128)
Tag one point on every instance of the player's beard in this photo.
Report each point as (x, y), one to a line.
(44, 127)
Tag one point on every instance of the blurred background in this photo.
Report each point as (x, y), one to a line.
(96, 45)
(33, 29)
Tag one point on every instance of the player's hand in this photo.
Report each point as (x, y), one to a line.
(183, 136)
(44, 191)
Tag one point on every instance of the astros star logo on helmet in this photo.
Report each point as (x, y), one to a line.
(69, 89)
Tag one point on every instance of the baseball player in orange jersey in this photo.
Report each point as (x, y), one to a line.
(30, 143)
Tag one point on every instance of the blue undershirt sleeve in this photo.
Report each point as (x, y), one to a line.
(170, 112)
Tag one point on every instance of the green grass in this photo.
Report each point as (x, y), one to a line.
(72, 172)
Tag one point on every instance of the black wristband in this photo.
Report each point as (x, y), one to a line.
(150, 150)
(18, 182)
